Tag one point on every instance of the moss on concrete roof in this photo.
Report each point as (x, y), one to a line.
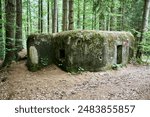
(88, 34)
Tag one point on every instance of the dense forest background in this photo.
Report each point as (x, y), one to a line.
(20, 18)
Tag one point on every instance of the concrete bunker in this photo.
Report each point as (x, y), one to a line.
(39, 51)
(92, 50)
(84, 49)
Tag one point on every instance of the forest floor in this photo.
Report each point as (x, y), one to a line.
(131, 82)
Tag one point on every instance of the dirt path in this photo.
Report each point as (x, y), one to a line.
(132, 82)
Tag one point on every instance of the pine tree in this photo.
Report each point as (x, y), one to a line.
(71, 17)
(10, 10)
(144, 26)
(78, 15)
(48, 16)
(55, 16)
(41, 13)
(64, 20)
(18, 35)
(1, 34)
(84, 4)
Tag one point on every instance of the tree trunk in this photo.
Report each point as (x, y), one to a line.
(41, 12)
(39, 16)
(64, 20)
(71, 17)
(48, 16)
(55, 12)
(84, 14)
(19, 45)
(10, 6)
(1, 34)
(93, 15)
(78, 16)
(30, 16)
(112, 17)
(122, 17)
(144, 26)
(95, 19)
(27, 17)
(57, 21)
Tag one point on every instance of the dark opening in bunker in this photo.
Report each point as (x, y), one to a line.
(61, 53)
(119, 54)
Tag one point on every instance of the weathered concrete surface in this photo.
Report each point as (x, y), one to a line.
(80, 50)
(39, 51)
(91, 50)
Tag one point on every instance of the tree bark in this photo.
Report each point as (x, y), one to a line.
(19, 45)
(55, 11)
(144, 26)
(122, 17)
(48, 16)
(30, 16)
(84, 14)
(93, 15)
(71, 17)
(78, 20)
(41, 10)
(64, 20)
(95, 19)
(10, 7)
(39, 16)
(112, 17)
(27, 17)
(1, 34)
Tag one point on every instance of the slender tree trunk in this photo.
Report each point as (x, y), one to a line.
(52, 12)
(105, 23)
(10, 10)
(78, 15)
(30, 16)
(93, 15)
(41, 13)
(144, 26)
(84, 3)
(112, 17)
(27, 17)
(71, 17)
(108, 22)
(52, 15)
(1, 34)
(100, 22)
(95, 19)
(146, 16)
(48, 16)
(39, 16)
(64, 20)
(122, 17)
(55, 12)
(19, 45)
(57, 21)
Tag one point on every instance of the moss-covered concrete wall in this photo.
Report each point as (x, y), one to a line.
(114, 39)
(39, 51)
(91, 50)
(84, 50)
(80, 50)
